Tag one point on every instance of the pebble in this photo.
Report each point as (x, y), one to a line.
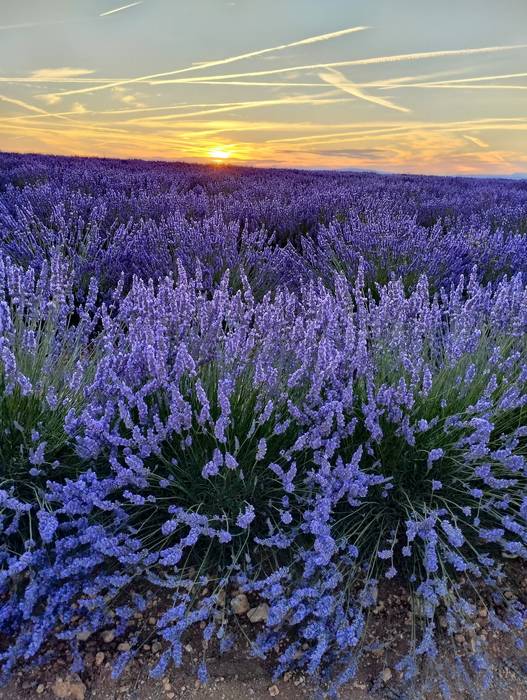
(386, 675)
(240, 604)
(99, 658)
(69, 688)
(124, 646)
(40, 688)
(259, 614)
(108, 636)
(274, 690)
(83, 636)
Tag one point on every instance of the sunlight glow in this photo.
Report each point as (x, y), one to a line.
(219, 153)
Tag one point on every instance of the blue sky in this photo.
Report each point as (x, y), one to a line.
(395, 85)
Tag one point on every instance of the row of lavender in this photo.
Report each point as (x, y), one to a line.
(250, 413)
(122, 217)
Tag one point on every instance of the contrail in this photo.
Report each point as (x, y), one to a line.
(235, 106)
(467, 86)
(423, 55)
(222, 61)
(481, 78)
(338, 80)
(120, 9)
(24, 105)
(31, 25)
(388, 127)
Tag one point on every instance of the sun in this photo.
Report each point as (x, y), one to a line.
(219, 153)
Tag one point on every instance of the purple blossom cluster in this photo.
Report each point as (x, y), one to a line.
(293, 386)
(130, 218)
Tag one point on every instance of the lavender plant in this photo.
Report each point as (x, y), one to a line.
(280, 392)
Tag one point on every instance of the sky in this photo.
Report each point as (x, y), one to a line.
(415, 86)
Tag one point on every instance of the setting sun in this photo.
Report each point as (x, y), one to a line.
(220, 153)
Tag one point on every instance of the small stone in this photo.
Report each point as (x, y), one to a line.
(509, 595)
(124, 646)
(40, 688)
(83, 636)
(240, 604)
(483, 612)
(460, 639)
(386, 675)
(274, 690)
(259, 614)
(71, 687)
(156, 646)
(99, 658)
(152, 620)
(108, 636)
(171, 695)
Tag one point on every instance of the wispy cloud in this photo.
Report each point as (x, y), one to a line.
(49, 99)
(43, 74)
(120, 9)
(224, 61)
(475, 140)
(338, 80)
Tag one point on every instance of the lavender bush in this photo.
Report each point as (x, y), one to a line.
(296, 387)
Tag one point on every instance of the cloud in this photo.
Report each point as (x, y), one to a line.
(224, 61)
(370, 153)
(477, 141)
(338, 80)
(49, 99)
(120, 9)
(43, 74)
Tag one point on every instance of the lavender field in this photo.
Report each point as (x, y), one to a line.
(265, 393)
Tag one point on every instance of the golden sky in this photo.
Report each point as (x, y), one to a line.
(406, 85)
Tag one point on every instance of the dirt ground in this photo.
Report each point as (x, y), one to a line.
(239, 677)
